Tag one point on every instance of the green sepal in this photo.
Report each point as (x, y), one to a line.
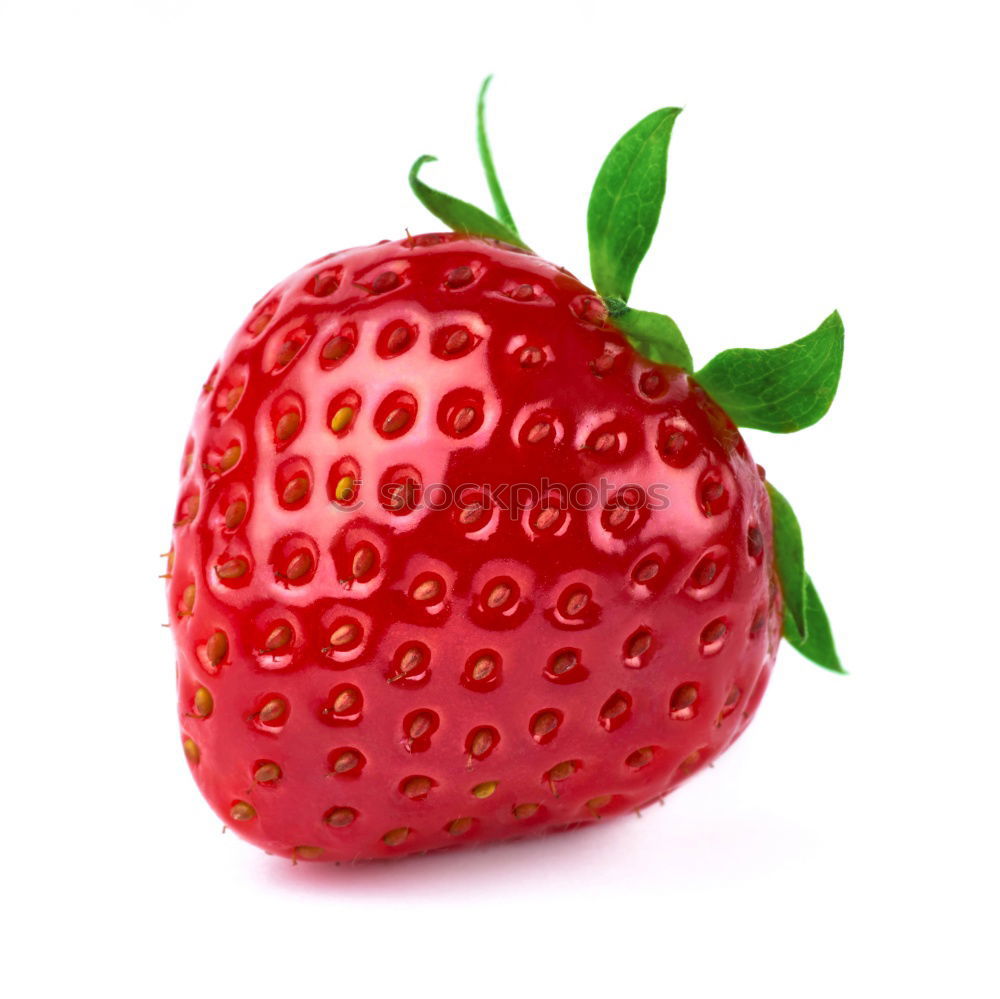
(457, 214)
(486, 156)
(653, 335)
(625, 203)
(817, 644)
(789, 560)
(783, 389)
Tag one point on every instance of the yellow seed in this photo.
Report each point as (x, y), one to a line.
(287, 426)
(539, 432)
(463, 419)
(340, 817)
(471, 514)
(344, 635)
(547, 516)
(485, 790)
(417, 787)
(615, 706)
(272, 710)
(217, 648)
(525, 811)
(364, 559)
(229, 457)
(280, 636)
(420, 725)
(243, 811)
(398, 339)
(295, 490)
(345, 700)
(235, 513)
(345, 762)
(266, 772)
(308, 852)
(260, 323)
(618, 516)
(342, 419)
(483, 668)
(459, 826)
(203, 702)
(187, 598)
(190, 510)
(395, 836)
(498, 596)
(683, 697)
(427, 590)
(401, 495)
(640, 758)
(288, 350)
(299, 565)
(345, 489)
(562, 770)
(233, 569)
(191, 750)
(456, 341)
(563, 662)
(326, 283)
(545, 723)
(639, 643)
(395, 421)
(411, 659)
(336, 348)
(646, 570)
(481, 742)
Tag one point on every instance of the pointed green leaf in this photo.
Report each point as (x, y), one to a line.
(789, 560)
(496, 191)
(655, 336)
(783, 389)
(817, 644)
(456, 214)
(625, 203)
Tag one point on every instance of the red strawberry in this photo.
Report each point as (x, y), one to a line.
(453, 562)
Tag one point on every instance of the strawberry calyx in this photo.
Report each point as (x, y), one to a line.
(486, 157)
(457, 214)
(780, 390)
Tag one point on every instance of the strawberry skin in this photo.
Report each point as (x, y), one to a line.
(365, 674)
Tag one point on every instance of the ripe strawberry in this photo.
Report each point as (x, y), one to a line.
(453, 562)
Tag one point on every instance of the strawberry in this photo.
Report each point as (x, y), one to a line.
(464, 552)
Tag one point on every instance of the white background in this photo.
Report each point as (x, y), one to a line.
(166, 163)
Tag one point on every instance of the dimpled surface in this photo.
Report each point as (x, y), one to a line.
(366, 669)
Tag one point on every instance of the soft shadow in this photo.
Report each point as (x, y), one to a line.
(448, 872)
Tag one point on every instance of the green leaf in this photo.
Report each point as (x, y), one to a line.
(654, 335)
(789, 561)
(817, 644)
(496, 191)
(783, 389)
(456, 214)
(625, 203)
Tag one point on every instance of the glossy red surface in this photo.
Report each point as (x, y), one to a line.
(363, 676)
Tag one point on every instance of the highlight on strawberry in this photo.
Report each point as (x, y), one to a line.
(466, 550)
